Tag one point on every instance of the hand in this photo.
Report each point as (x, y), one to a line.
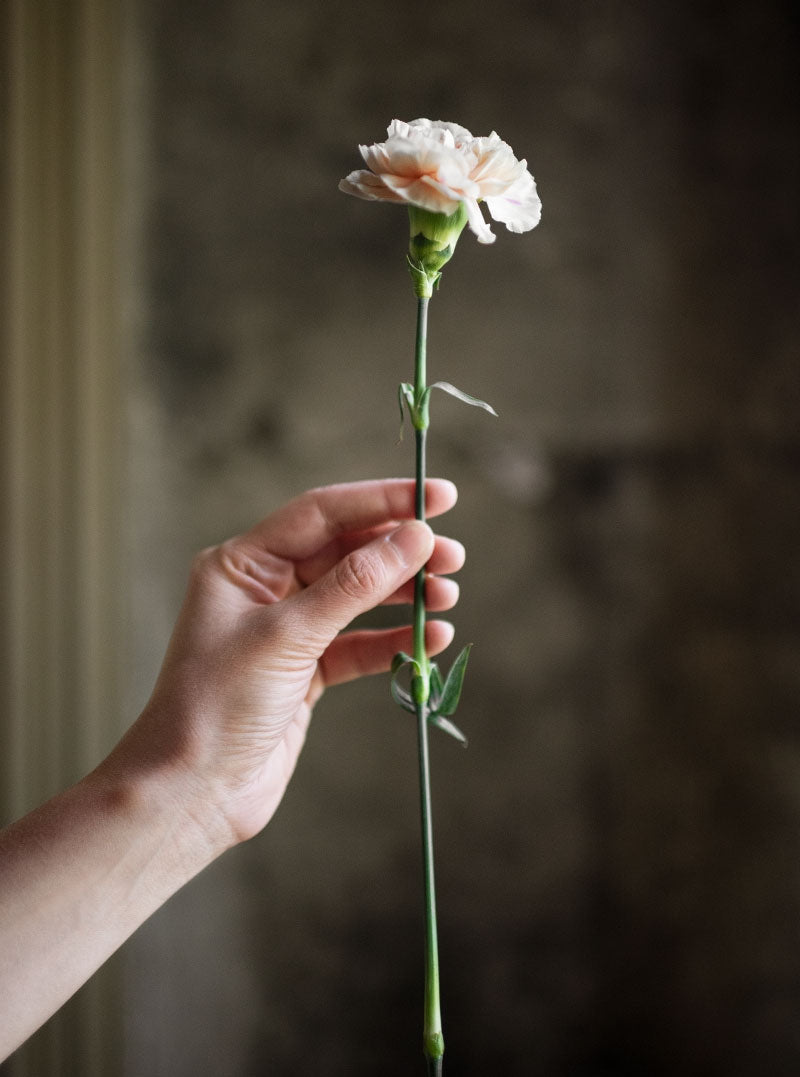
(260, 637)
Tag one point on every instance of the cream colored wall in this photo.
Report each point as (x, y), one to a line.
(60, 420)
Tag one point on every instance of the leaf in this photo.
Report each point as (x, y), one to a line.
(451, 693)
(465, 397)
(437, 684)
(402, 659)
(405, 392)
(447, 726)
(401, 696)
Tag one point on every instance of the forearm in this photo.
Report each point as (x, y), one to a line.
(77, 877)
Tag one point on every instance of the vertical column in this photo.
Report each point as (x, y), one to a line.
(60, 420)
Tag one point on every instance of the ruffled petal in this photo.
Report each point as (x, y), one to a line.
(519, 208)
(409, 157)
(424, 191)
(476, 222)
(496, 167)
(366, 185)
(452, 134)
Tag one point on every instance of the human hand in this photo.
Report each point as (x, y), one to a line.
(260, 637)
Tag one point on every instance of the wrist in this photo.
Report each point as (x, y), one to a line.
(154, 784)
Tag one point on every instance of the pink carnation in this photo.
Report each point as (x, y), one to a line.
(437, 165)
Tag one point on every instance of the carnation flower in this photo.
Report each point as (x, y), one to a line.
(440, 167)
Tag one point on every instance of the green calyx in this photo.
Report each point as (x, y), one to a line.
(433, 240)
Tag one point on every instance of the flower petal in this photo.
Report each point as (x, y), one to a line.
(424, 191)
(366, 185)
(476, 223)
(452, 134)
(519, 208)
(406, 157)
(496, 167)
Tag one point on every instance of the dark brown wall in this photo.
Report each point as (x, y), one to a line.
(618, 849)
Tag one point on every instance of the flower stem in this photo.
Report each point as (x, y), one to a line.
(433, 1043)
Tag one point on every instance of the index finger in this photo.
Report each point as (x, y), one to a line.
(313, 519)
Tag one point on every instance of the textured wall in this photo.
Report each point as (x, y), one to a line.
(617, 850)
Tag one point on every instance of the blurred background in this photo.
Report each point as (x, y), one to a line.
(199, 326)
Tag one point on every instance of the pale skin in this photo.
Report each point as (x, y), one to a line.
(259, 638)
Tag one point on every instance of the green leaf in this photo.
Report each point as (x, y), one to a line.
(437, 684)
(402, 659)
(465, 397)
(447, 726)
(401, 696)
(451, 693)
(405, 392)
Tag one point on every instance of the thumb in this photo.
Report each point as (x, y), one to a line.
(362, 580)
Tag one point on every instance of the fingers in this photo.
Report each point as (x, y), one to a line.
(357, 654)
(440, 594)
(448, 555)
(363, 579)
(311, 521)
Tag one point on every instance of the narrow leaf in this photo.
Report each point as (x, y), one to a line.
(401, 696)
(405, 392)
(465, 397)
(402, 659)
(451, 693)
(437, 684)
(447, 726)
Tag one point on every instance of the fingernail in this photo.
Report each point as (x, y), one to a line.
(412, 539)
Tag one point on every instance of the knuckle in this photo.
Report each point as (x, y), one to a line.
(233, 559)
(359, 574)
(236, 562)
(263, 576)
(202, 563)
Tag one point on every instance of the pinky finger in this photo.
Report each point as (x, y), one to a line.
(366, 651)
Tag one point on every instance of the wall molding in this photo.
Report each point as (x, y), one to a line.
(60, 438)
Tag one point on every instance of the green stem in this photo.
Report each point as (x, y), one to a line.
(433, 1043)
(420, 654)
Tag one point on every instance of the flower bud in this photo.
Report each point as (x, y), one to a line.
(433, 240)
